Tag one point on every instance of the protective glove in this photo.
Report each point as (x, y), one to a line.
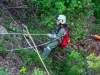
(53, 36)
(49, 35)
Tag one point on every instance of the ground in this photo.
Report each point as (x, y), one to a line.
(91, 45)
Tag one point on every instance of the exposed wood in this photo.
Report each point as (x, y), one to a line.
(24, 6)
(3, 29)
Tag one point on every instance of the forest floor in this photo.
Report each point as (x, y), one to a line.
(13, 61)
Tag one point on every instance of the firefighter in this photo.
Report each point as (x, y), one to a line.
(58, 37)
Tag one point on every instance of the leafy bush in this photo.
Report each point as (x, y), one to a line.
(95, 29)
(37, 71)
(93, 62)
(97, 8)
(3, 71)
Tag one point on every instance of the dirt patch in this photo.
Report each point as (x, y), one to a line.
(11, 64)
(91, 45)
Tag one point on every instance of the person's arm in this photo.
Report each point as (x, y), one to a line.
(61, 33)
(58, 35)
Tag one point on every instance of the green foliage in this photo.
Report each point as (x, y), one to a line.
(3, 71)
(75, 70)
(74, 55)
(29, 57)
(1, 43)
(91, 56)
(60, 7)
(49, 9)
(2, 49)
(7, 23)
(37, 71)
(95, 29)
(97, 8)
(23, 70)
(41, 20)
(33, 1)
(72, 65)
(55, 67)
(96, 12)
(78, 63)
(93, 62)
(97, 21)
(78, 32)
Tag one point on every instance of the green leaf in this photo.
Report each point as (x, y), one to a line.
(90, 64)
(23, 69)
(3, 49)
(91, 56)
(33, 1)
(37, 71)
(7, 22)
(3, 71)
(74, 55)
(97, 59)
(78, 2)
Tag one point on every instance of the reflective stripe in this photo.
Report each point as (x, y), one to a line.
(48, 48)
(64, 33)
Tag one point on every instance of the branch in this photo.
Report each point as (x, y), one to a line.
(24, 6)
(37, 51)
(19, 49)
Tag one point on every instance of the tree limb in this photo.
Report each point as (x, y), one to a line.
(24, 6)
